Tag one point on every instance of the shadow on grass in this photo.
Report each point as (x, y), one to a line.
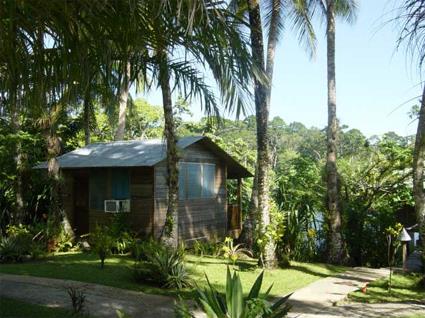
(405, 288)
(317, 273)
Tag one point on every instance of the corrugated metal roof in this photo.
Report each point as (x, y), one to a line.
(139, 153)
(135, 153)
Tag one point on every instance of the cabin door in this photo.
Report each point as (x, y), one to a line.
(81, 203)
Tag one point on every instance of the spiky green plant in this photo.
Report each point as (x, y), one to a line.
(233, 252)
(233, 304)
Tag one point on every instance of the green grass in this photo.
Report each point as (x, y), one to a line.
(118, 272)
(405, 288)
(10, 308)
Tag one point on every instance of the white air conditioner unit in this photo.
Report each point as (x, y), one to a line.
(117, 206)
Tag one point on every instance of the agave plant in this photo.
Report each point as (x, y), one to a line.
(233, 304)
(233, 252)
(162, 266)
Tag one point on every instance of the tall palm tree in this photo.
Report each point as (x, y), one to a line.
(277, 12)
(419, 173)
(336, 247)
(331, 9)
(412, 20)
(205, 33)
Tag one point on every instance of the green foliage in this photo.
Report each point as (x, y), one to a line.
(19, 245)
(64, 241)
(233, 303)
(123, 243)
(162, 266)
(274, 231)
(102, 243)
(206, 247)
(393, 243)
(144, 120)
(233, 252)
(375, 185)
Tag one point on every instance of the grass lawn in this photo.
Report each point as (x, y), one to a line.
(10, 308)
(404, 289)
(118, 272)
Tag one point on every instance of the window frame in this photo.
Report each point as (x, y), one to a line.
(183, 170)
(107, 174)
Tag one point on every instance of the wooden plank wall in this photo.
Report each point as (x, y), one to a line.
(141, 203)
(203, 218)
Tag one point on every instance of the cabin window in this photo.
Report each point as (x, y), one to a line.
(108, 186)
(196, 180)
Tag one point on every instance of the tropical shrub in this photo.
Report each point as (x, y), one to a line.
(206, 247)
(123, 242)
(162, 266)
(233, 303)
(233, 252)
(9, 250)
(64, 241)
(17, 245)
(102, 243)
(142, 250)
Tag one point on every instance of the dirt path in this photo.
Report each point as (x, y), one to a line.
(320, 299)
(101, 301)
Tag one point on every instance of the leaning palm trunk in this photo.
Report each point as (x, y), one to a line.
(262, 94)
(170, 231)
(58, 218)
(419, 173)
(336, 247)
(124, 91)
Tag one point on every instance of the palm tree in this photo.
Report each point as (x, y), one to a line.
(331, 9)
(206, 33)
(412, 18)
(419, 172)
(278, 10)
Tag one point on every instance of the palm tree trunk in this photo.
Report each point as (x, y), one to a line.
(261, 92)
(87, 111)
(170, 231)
(57, 215)
(19, 213)
(419, 173)
(336, 248)
(124, 91)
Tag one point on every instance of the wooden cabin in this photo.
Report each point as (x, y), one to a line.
(103, 179)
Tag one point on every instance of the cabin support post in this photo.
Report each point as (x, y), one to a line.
(239, 201)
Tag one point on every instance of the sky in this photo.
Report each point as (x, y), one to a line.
(374, 80)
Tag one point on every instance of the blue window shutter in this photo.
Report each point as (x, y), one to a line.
(194, 180)
(120, 184)
(208, 185)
